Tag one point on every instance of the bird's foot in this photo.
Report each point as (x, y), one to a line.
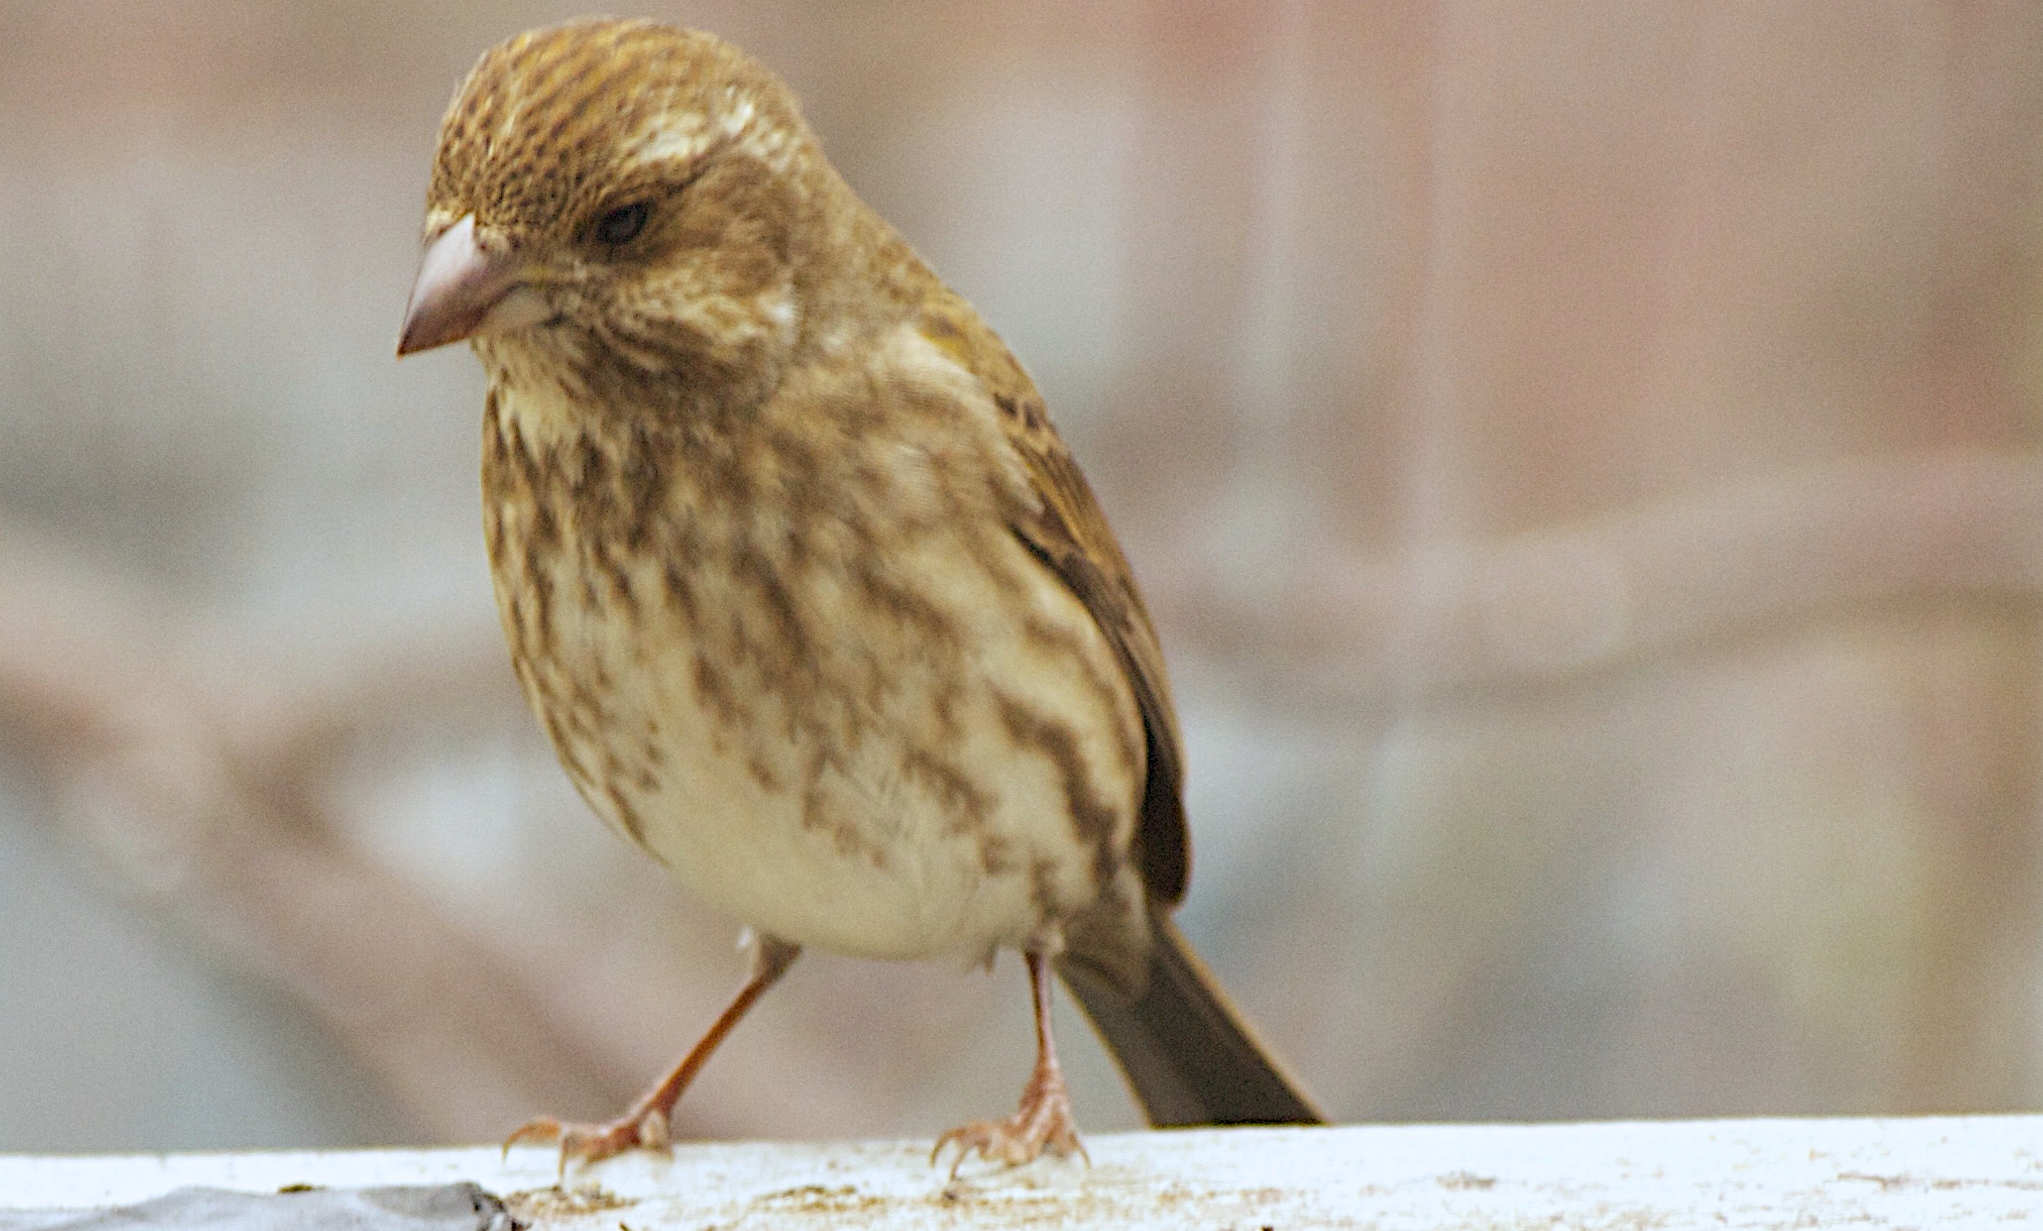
(1042, 1124)
(640, 1128)
(648, 1125)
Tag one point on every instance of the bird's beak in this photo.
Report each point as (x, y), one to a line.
(463, 291)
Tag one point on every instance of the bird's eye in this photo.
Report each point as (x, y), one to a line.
(622, 225)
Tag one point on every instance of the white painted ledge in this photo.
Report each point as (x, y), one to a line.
(1975, 1171)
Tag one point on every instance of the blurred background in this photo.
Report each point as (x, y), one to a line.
(1583, 461)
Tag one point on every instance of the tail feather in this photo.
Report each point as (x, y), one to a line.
(1186, 1050)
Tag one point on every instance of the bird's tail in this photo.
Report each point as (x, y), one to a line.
(1184, 1048)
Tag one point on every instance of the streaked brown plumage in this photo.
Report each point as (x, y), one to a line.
(803, 585)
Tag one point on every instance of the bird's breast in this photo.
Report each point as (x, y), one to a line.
(831, 693)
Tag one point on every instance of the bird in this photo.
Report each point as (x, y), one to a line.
(800, 580)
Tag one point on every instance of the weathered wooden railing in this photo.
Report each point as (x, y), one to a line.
(1974, 1171)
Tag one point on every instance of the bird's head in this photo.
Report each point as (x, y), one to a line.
(617, 199)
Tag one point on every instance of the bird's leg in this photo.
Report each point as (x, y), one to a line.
(646, 1124)
(1043, 1122)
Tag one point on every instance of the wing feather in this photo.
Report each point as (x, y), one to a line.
(1069, 534)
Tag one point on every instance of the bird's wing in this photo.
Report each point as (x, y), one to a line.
(1070, 535)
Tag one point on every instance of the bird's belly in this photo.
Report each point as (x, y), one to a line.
(867, 791)
(890, 884)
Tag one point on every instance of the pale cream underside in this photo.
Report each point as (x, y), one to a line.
(746, 847)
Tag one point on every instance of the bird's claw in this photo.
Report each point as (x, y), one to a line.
(1031, 1132)
(592, 1143)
